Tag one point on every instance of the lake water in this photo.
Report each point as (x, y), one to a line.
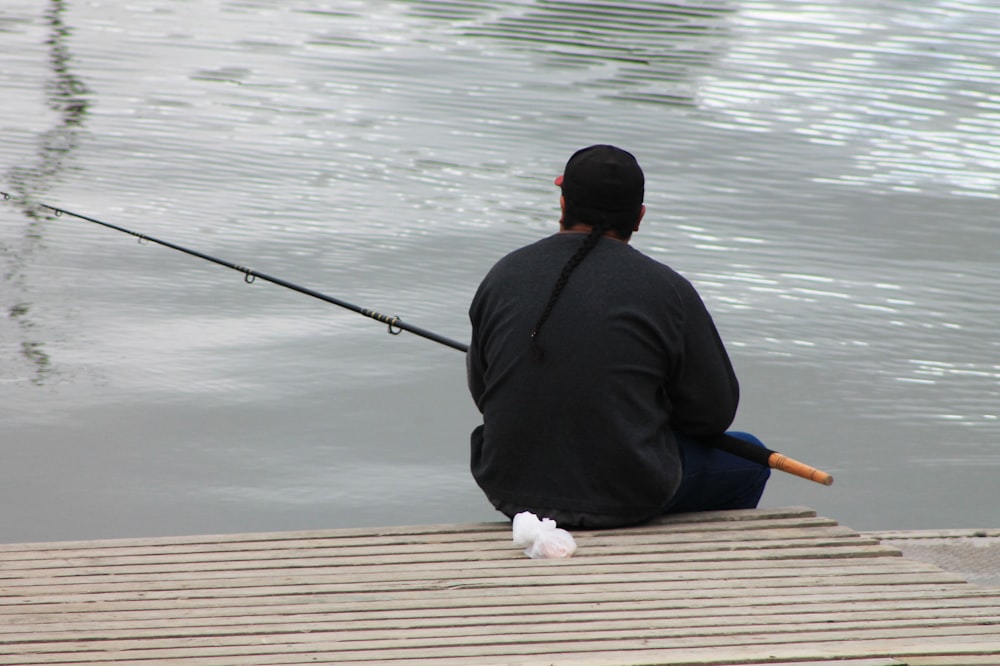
(827, 175)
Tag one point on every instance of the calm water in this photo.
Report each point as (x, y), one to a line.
(827, 176)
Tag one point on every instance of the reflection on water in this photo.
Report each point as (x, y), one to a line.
(67, 96)
(635, 53)
(825, 174)
(915, 88)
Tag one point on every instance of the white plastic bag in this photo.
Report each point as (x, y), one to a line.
(541, 539)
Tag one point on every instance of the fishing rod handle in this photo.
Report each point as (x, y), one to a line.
(791, 466)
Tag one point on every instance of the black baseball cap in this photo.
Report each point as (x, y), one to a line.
(603, 178)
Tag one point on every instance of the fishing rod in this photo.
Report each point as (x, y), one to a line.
(734, 445)
(767, 457)
(395, 324)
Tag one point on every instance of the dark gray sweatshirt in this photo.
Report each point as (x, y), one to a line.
(584, 434)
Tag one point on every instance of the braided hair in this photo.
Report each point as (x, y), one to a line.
(589, 242)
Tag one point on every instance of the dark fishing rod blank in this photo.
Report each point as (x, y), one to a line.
(395, 324)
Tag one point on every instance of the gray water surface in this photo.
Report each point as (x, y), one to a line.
(826, 175)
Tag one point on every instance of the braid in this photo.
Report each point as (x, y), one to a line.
(588, 244)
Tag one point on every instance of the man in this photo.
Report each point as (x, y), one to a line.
(597, 368)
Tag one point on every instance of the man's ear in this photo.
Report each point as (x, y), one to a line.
(642, 211)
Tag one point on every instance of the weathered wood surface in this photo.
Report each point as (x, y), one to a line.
(778, 586)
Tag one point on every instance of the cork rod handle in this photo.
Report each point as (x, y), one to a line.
(792, 466)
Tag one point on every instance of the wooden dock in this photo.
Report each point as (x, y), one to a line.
(779, 586)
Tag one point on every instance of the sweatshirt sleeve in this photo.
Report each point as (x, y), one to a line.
(474, 371)
(475, 365)
(703, 389)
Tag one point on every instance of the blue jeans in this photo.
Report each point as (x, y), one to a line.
(714, 479)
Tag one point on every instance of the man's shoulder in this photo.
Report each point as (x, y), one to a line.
(539, 251)
(646, 265)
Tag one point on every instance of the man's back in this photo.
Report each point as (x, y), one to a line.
(583, 431)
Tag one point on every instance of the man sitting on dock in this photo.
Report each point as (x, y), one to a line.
(597, 369)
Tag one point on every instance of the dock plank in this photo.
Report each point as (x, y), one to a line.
(776, 586)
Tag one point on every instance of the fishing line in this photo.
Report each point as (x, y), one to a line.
(395, 324)
(727, 443)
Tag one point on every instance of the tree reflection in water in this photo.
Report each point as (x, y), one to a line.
(68, 96)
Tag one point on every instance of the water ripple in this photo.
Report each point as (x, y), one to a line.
(934, 127)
